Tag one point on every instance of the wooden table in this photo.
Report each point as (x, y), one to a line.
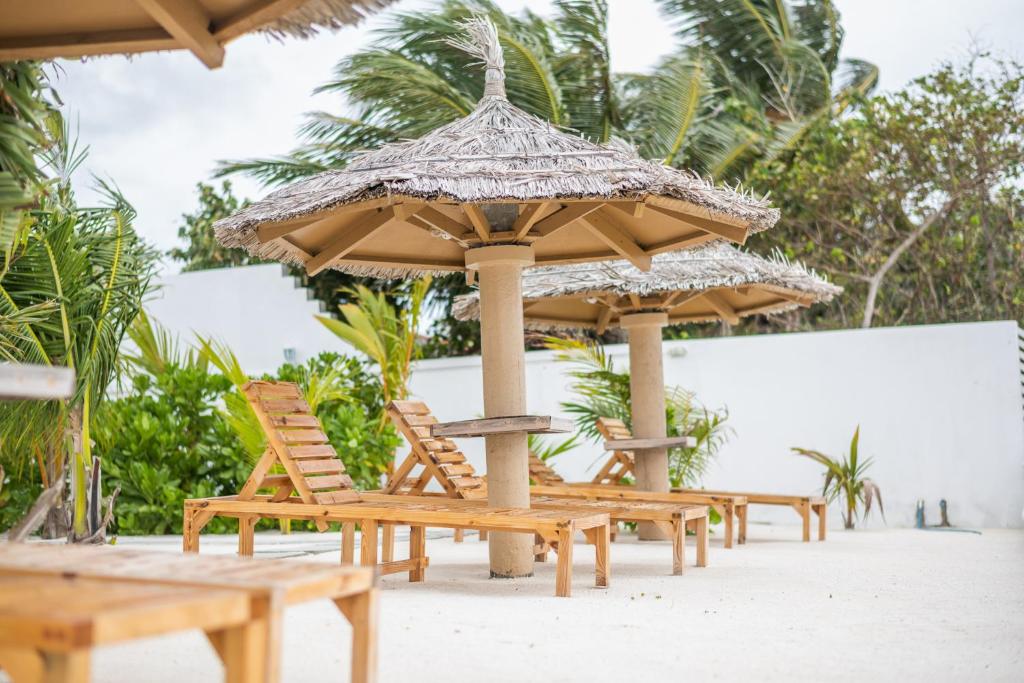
(640, 444)
(488, 426)
(49, 624)
(266, 586)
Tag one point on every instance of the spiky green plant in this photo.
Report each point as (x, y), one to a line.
(846, 478)
(386, 334)
(602, 391)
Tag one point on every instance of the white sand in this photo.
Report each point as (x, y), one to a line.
(889, 604)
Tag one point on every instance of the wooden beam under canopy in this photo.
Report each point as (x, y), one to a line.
(617, 239)
(252, 18)
(603, 318)
(479, 220)
(722, 307)
(732, 233)
(350, 239)
(526, 219)
(445, 223)
(569, 213)
(187, 22)
(272, 231)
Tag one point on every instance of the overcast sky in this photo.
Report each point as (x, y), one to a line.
(158, 123)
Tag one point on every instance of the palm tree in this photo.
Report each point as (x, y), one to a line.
(87, 270)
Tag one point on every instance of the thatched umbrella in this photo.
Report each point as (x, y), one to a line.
(492, 193)
(712, 282)
(45, 29)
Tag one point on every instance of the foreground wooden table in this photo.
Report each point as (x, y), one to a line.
(265, 587)
(49, 624)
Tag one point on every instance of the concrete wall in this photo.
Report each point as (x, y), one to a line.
(256, 310)
(939, 406)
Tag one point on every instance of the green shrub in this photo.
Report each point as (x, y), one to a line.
(166, 441)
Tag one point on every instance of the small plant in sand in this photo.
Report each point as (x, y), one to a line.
(846, 478)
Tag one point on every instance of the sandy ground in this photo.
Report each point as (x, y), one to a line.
(888, 604)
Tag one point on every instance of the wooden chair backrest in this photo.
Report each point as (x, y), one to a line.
(619, 463)
(542, 474)
(295, 441)
(430, 458)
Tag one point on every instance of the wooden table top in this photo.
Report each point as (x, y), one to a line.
(292, 581)
(488, 426)
(636, 444)
(61, 613)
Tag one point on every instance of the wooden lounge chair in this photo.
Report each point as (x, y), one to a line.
(78, 597)
(620, 464)
(314, 487)
(440, 460)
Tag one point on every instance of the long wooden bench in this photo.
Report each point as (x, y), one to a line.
(315, 487)
(439, 460)
(84, 596)
(732, 508)
(620, 465)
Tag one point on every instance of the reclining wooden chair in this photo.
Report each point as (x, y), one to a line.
(609, 482)
(620, 464)
(440, 460)
(314, 487)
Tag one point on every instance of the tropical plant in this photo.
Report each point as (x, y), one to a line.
(385, 334)
(846, 478)
(602, 391)
(28, 113)
(90, 262)
(201, 250)
(547, 450)
(912, 204)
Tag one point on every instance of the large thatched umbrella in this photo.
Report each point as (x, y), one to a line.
(45, 29)
(492, 193)
(712, 282)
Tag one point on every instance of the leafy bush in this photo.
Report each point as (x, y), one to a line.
(166, 441)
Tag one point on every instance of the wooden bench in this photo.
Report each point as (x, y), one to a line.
(556, 527)
(547, 482)
(620, 464)
(439, 460)
(84, 596)
(314, 487)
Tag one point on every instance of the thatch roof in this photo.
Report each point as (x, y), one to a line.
(578, 296)
(499, 154)
(46, 29)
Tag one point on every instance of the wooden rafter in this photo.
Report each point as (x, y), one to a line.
(568, 214)
(634, 209)
(84, 44)
(685, 242)
(272, 231)
(603, 318)
(733, 233)
(722, 307)
(479, 220)
(350, 239)
(187, 22)
(253, 17)
(432, 229)
(617, 239)
(678, 298)
(526, 219)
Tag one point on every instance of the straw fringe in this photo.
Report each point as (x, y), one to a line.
(712, 266)
(309, 18)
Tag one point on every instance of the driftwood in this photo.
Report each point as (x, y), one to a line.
(38, 512)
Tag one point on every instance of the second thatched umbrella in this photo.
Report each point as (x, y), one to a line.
(492, 193)
(713, 282)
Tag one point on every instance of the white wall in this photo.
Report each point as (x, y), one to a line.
(939, 406)
(256, 310)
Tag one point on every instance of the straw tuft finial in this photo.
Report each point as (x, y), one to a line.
(482, 42)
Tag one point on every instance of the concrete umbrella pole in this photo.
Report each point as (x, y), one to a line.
(500, 271)
(647, 390)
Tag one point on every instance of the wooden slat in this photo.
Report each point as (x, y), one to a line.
(410, 407)
(285, 405)
(303, 436)
(330, 466)
(317, 451)
(466, 482)
(294, 421)
(275, 389)
(419, 420)
(336, 497)
(637, 444)
(448, 457)
(341, 481)
(457, 470)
